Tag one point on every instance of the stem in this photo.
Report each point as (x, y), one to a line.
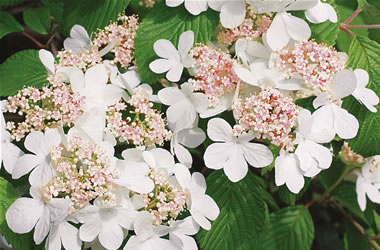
(349, 20)
(372, 242)
(370, 26)
(34, 40)
(338, 181)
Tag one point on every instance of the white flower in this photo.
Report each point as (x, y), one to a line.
(312, 156)
(99, 95)
(78, 40)
(321, 13)
(232, 153)
(173, 60)
(266, 6)
(63, 234)
(106, 223)
(180, 231)
(285, 27)
(364, 95)
(200, 205)
(368, 182)
(26, 213)
(343, 123)
(47, 60)
(9, 151)
(40, 145)
(194, 7)
(148, 236)
(287, 171)
(133, 174)
(232, 13)
(259, 74)
(184, 104)
(247, 51)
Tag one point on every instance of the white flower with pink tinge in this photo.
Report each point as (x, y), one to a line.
(233, 152)
(368, 182)
(148, 236)
(40, 144)
(201, 206)
(338, 119)
(172, 60)
(28, 213)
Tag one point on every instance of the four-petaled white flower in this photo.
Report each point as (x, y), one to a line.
(321, 13)
(364, 95)
(180, 231)
(173, 60)
(368, 182)
(338, 119)
(148, 236)
(200, 205)
(287, 171)
(78, 40)
(285, 27)
(194, 7)
(40, 145)
(232, 13)
(232, 153)
(184, 104)
(28, 213)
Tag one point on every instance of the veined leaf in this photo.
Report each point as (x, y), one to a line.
(38, 19)
(8, 24)
(6, 3)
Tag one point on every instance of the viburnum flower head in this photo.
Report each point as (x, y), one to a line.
(28, 213)
(232, 152)
(172, 60)
(368, 182)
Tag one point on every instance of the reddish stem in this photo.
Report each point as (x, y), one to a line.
(370, 26)
(349, 20)
(34, 40)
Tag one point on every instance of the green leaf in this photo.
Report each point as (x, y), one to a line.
(8, 194)
(169, 23)
(10, 3)
(242, 213)
(289, 228)
(23, 68)
(92, 15)
(38, 19)
(56, 8)
(376, 217)
(327, 32)
(371, 15)
(364, 54)
(289, 197)
(8, 24)
(354, 240)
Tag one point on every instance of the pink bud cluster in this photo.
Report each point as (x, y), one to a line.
(252, 28)
(269, 115)
(137, 122)
(166, 201)
(83, 59)
(315, 63)
(350, 156)
(122, 33)
(83, 173)
(213, 73)
(49, 107)
(147, 3)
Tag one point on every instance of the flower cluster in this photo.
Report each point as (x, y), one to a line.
(137, 122)
(269, 115)
(82, 59)
(50, 107)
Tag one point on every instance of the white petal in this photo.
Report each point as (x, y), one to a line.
(219, 130)
(321, 154)
(24, 165)
(216, 5)
(257, 49)
(70, 237)
(183, 114)
(183, 175)
(159, 66)
(317, 14)
(96, 79)
(191, 138)
(165, 49)
(257, 155)
(245, 75)
(305, 158)
(47, 60)
(296, 28)
(75, 76)
(199, 218)
(186, 226)
(111, 235)
(174, 74)
(35, 143)
(53, 241)
(362, 77)
(346, 125)
(23, 214)
(183, 155)
(225, 102)
(287, 171)
(232, 14)
(90, 230)
(170, 96)
(320, 100)
(196, 7)
(173, 3)
(186, 39)
(277, 35)
(368, 97)
(360, 191)
(134, 177)
(187, 242)
(333, 17)
(163, 158)
(344, 83)
(10, 153)
(200, 102)
(235, 165)
(373, 193)
(323, 130)
(93, 122)
(198, 185)
(42, 227)
(217, 154)
(79, 39)
(207, 206)
(143, 223)
(42, 174)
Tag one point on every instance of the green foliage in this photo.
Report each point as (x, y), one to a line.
(289, 228)
(8, 24)
(38, 19)
(8, 194)
(92, 15)
(289, 197)
(354, 240)
(6, 3)
(364, 54)
(169, 23)
(376, 217)
(23, 68)
(56, 8)
(371, 15)
(242, 213)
